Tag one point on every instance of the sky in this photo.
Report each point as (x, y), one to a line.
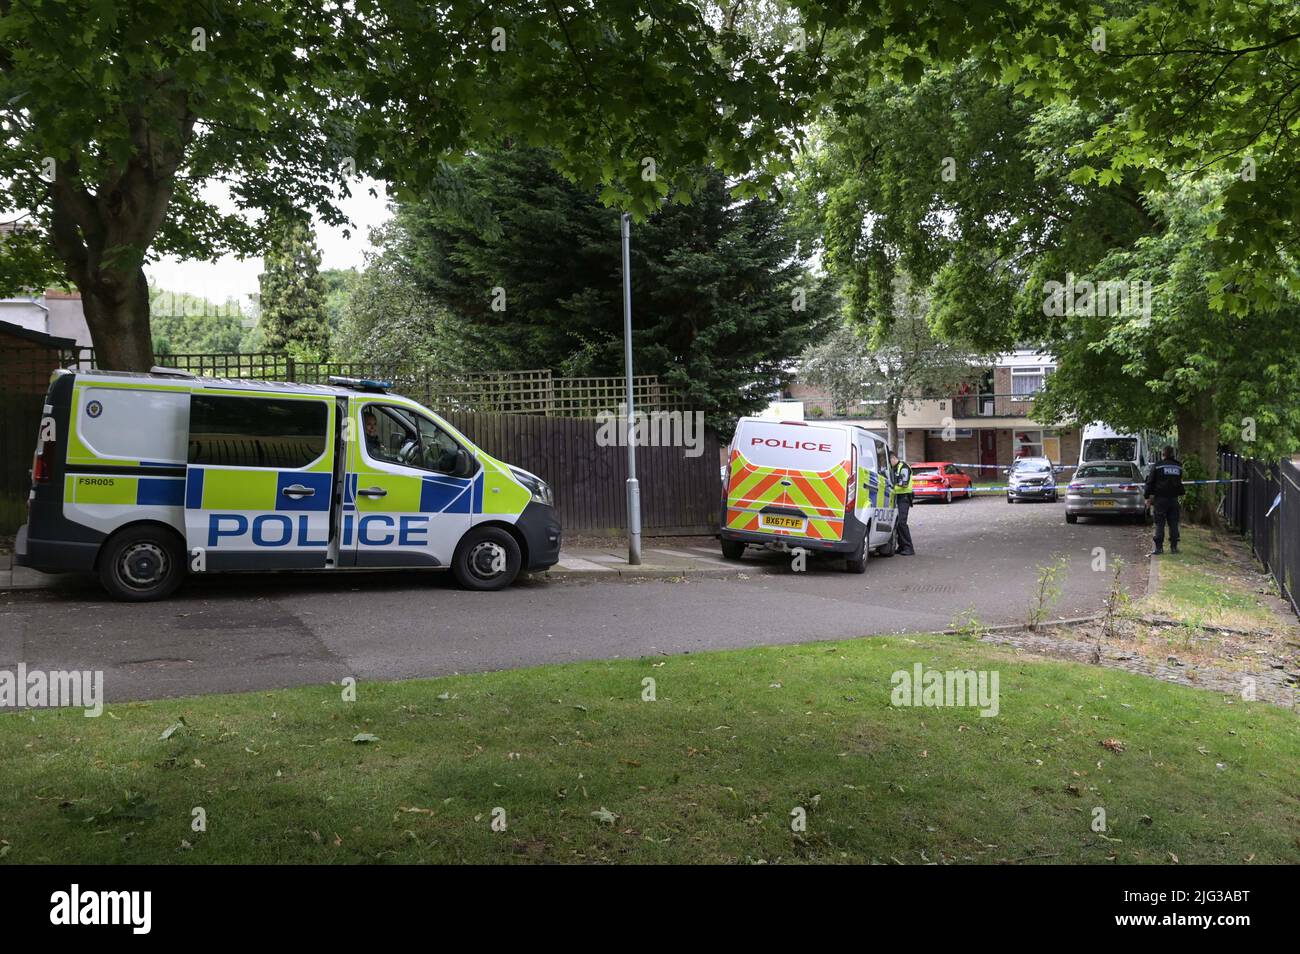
(228, 277)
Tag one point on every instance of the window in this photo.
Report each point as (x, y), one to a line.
(280, 433)
(1026, 382)
(1126, 471)
(1028, 443)
(396, 435)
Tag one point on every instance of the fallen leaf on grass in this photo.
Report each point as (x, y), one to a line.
(1115, 745)
(604, 816)
(171, 730)
(363, 737)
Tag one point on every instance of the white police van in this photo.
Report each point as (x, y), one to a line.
(143, 478)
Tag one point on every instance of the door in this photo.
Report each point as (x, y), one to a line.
(259, 480)
(988, 454)
(875, 489)
(410, 490)
(1052, 447)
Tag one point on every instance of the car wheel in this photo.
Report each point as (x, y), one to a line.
(487, 558)
(733, 549)
(1071, 518)
(947, 498)
(857, 562)
(1009, 500)
(142, 564)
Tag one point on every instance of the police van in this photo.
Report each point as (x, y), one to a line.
(825, 488)
(142, 478)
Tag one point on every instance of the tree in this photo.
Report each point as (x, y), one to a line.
(904, 363)
(292, 294)
(721, 297)
(116, 115)
(1012, 219)
(189, 324)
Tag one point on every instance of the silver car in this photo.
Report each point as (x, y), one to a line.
(1106, 488)
(1031, 478)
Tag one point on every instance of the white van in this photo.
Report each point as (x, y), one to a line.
(1103, 443)
(144, 478)
(822, 487)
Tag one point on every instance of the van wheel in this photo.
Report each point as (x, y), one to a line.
(857, 563)
(142, 563)
(887, 548)
(733, 549)
(487, 559)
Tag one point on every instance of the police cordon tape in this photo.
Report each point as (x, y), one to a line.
(999, 488)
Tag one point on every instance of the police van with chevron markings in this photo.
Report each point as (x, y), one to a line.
(823, 488)
(143, 478)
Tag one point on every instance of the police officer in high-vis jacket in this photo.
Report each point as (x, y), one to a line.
(903, 500)
(1163, 488)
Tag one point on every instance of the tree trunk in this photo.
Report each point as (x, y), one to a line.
(1198, 446)
(118, 316)
(891, 419)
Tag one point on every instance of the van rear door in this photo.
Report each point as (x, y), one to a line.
(788, 479)
(259, 480)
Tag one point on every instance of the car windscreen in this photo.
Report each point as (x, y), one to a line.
(921, 471)
(1125, 471)
(1032, 467)
(1110, 448)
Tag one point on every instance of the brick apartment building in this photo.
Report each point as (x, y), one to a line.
(989, 424)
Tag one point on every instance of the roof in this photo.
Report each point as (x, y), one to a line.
(39, 337)
(282, 387)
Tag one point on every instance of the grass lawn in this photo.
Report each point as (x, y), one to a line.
(588, 772)
(1213, 580)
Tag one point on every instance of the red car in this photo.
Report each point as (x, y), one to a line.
(940, 479)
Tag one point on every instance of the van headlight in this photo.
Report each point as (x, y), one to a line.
(540, 489)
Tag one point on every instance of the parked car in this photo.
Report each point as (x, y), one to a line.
(1031, 478)
(940, 479)
(1109, 489)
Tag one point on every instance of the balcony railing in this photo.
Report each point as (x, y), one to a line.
(992, 405)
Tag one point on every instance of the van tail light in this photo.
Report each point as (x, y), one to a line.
(41, 463)
(851, 494)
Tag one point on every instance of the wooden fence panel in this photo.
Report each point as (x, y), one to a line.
(678, 493)
(20, 419)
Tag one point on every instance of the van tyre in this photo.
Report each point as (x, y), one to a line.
(142, 564)
(488, 558)
(857, 562)
(733, 549)
(889, 546)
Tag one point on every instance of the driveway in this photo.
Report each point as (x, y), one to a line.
(224, 634)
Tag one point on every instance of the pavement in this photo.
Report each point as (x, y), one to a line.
(225, 633)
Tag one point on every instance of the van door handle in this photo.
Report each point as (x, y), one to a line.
(298, 490)
(373, 492)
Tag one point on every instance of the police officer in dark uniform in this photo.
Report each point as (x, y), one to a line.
(903, 500)
(1163, 488)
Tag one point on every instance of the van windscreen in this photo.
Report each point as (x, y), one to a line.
(1110, 448)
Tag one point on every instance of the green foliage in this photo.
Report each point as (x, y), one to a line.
(136, 106)
(903, 361)
(292, 294)
(720, 298)
(190, 324)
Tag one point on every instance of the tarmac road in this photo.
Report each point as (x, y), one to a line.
(236, 633)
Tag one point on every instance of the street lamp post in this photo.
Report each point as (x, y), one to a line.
(633, 488)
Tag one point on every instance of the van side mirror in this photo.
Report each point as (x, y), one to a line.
(464, 466)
